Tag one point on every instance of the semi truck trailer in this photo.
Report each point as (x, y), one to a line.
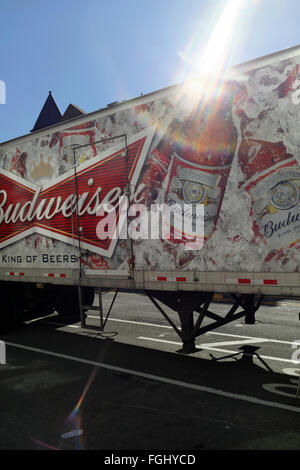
(181, 193)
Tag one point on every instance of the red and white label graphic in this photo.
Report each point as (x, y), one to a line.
(52, 210)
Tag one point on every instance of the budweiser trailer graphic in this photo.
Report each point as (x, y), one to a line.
(181, 193)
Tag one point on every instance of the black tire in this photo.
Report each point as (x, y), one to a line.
(67, 301)
(12, 307)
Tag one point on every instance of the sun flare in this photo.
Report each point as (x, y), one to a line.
(206, 63)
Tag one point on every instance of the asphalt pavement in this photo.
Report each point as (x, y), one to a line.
(129, 388)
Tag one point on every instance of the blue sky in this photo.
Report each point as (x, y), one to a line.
(93, 52)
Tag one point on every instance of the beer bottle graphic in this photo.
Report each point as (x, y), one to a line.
(191, 162)
(201, 161)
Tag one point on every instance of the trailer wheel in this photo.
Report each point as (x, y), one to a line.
(11, 308)
(67, 302)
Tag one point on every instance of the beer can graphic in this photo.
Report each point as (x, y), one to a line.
(273, 181)
(268, 158)
(191, 184)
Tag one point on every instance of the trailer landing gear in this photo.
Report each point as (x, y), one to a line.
(84, 305)
(187, 304)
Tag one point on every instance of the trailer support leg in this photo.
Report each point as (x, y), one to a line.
(187, 331)
(185, 306)
(249, 306)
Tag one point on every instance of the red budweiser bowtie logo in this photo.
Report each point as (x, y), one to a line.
(52, 210)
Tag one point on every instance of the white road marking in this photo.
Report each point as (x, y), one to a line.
(277, 388)
(33, 320)
(252, 338)
(231, 343)
(249, 337)
(292, 371)
(61, 324)
(200, 388)
(49, 322)
(210, 348)
(134, 322)
(283, 304)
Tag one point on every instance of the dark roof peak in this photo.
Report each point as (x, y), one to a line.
(71, 112)
(49, 115)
